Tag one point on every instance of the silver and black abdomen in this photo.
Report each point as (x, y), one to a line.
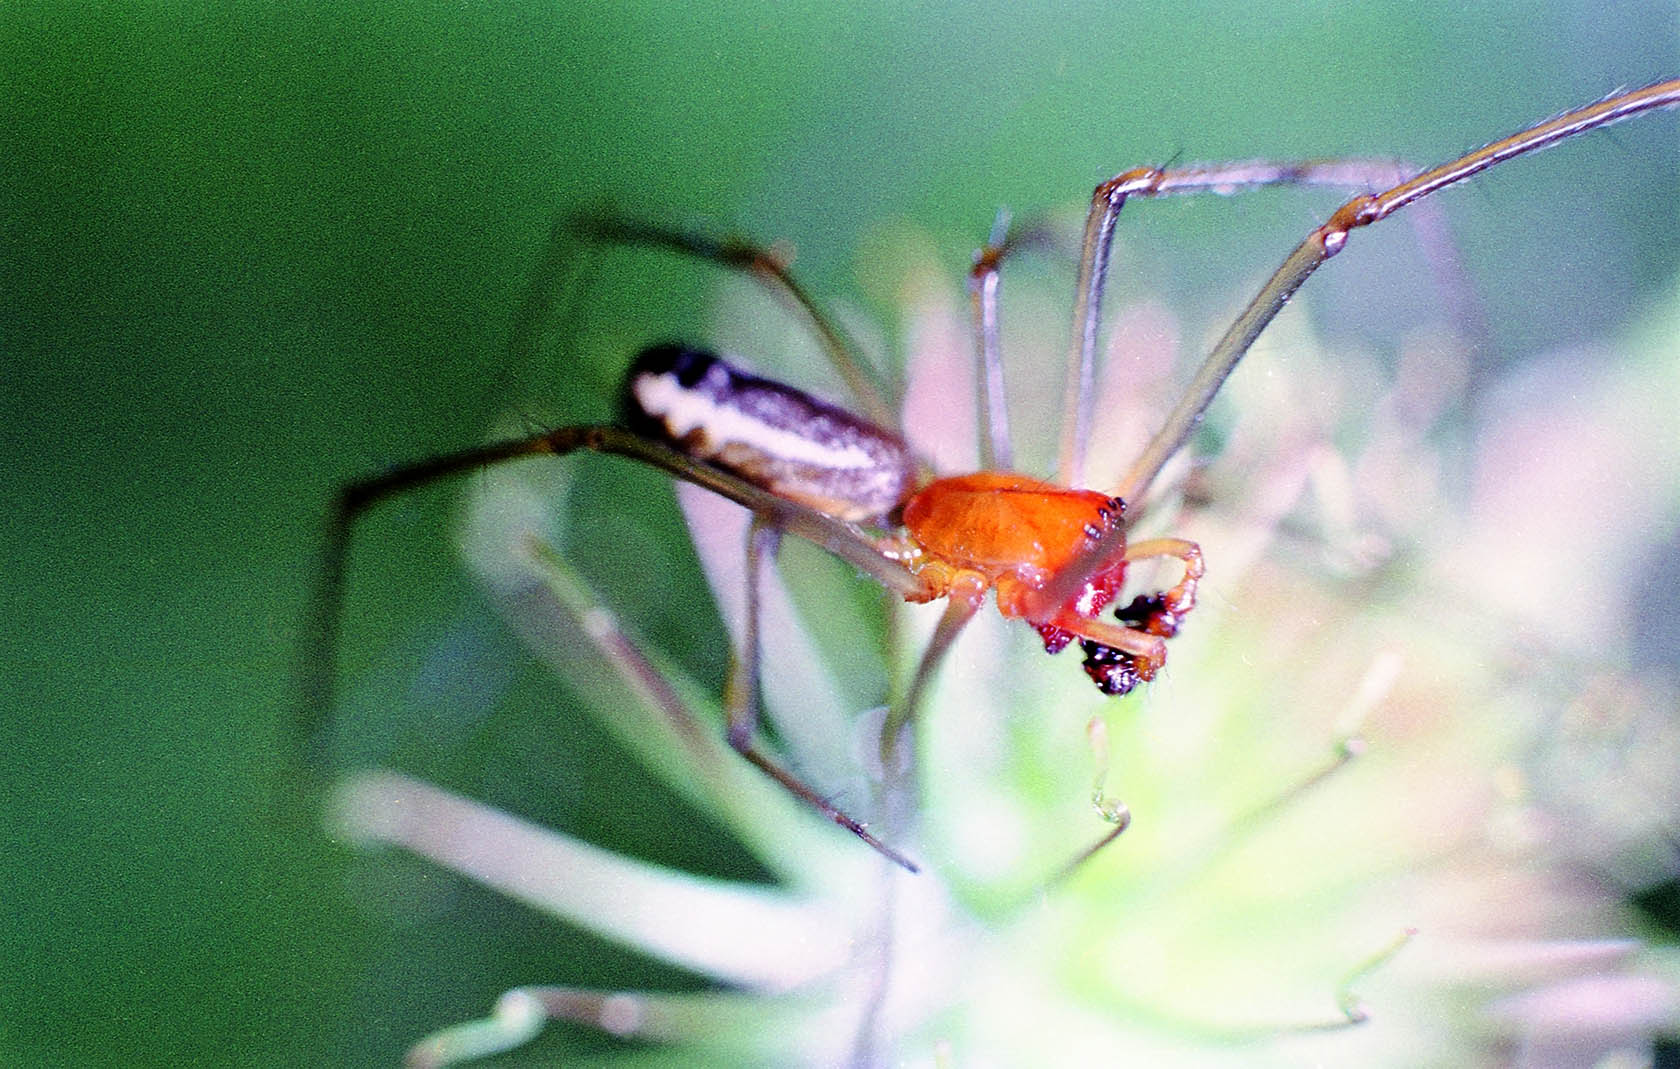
(770, 434)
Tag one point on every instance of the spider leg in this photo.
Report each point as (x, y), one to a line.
(315, 669)
(1146, 653)
(1117, 669)
(1327, 240)
(995, 448)
(1156, 615)
(741, 699)
(733, 254)
(983, 283)
(1162, 613)
(962, 602)
(1323, 243)
(1222, 178)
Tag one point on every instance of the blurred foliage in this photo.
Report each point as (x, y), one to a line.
(252, 250)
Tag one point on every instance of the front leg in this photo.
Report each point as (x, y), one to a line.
(1163, 613)
(1115, 669)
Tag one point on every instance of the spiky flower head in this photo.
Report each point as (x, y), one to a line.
(1380, 799)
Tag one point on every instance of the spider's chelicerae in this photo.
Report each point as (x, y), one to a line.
(1052, 553)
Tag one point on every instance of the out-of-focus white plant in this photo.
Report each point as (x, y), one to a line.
(1386, 798)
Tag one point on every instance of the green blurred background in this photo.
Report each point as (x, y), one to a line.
(252, 250)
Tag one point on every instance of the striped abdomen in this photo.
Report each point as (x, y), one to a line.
(772, 435)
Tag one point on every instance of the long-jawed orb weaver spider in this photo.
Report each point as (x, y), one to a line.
(1054, 555)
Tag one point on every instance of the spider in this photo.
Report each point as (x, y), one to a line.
(1053, 554)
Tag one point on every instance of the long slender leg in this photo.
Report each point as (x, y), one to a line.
(983, 283)
(762, 264)
(960, 607)
(1323, 243)
(315, 669)
(741, 698)
(1222, 178)
(1327, 240)
(996, 452)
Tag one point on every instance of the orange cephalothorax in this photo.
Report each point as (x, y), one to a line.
(1012, 534)
(1002, 524)
(1017, 532)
